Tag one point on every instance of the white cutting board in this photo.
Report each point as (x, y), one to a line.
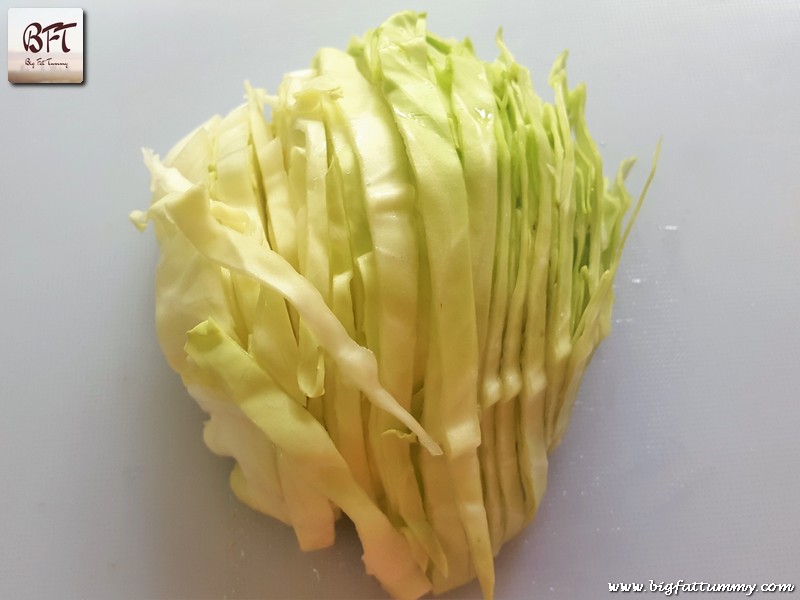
(682, 459)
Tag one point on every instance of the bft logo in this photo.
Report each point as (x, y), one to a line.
(45, 45)
(32, 36)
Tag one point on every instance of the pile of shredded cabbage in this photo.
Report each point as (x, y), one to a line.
(386, 296)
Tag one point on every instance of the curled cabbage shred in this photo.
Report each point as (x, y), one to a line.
(385, 295)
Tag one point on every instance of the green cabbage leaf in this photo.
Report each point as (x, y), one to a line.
(385, 294)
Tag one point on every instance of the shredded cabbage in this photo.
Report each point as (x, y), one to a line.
(385, 296)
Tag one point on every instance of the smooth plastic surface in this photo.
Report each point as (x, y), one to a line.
(682, 459)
